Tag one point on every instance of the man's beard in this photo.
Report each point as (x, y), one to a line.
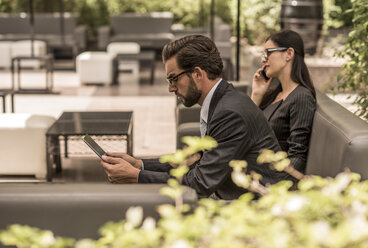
(192, 96)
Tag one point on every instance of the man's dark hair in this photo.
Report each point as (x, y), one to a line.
(195, 50)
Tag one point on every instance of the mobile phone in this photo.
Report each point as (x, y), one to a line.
(264, 74)
(93, 145)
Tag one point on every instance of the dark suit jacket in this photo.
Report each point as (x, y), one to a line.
(241, 130)
(292, 120)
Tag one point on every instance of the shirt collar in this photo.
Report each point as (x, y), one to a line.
(206, 103)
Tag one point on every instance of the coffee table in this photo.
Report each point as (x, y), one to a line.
(148, 56)
(81, 123)
(16, 71)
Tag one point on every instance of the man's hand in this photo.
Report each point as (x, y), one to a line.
(118, 170)
(133, 161)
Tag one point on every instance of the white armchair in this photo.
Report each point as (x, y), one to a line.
(23, 144)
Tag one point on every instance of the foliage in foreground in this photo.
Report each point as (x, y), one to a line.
(323, 212)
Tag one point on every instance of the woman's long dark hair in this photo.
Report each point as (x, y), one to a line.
(299, 70)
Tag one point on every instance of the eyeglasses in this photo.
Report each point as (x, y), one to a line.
(174, 79)
(268, 51)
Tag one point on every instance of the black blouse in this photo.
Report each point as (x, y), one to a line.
(292, 119)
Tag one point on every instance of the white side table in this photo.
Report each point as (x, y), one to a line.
(94, 67)
(23, 48)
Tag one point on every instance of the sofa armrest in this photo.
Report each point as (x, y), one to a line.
(104, 34)
(184, 114)
(339, 140)
(186, 129)
(243, 86)
(81, 34)
(23, 144)
(78, 210)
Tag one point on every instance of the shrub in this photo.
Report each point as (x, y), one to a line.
(323, 212)
(354, 76)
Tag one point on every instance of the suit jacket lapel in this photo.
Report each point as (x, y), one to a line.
(219, 92)
(270, 110)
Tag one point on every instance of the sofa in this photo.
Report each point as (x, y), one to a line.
(78, 210)
(339, 139)
(150, 30)
(47, 28)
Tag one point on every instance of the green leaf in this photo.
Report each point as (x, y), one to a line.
(179, 172)
(238, 165)
(197, 144)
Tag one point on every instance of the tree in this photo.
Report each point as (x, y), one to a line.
(354, 76)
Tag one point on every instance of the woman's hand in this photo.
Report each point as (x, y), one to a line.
(259, 86)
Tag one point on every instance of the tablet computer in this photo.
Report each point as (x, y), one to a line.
(93, 145)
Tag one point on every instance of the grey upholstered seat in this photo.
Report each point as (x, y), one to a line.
(339, 140)
(149, 30)
(78, 210)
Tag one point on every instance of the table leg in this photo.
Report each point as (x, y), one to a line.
(53, 155)
(12, 102)
(4, 102)
(18, 73)
(153, 67)
(12, 68)
(56, 154)
(51, 74)
(115, 72)
(66, 146)
(47, 79)
(49, 161)
(128, 151)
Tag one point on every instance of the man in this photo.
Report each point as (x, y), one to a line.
(193, 67)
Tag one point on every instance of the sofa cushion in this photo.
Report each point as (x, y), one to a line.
(135, 23)
(48, 23)
(14, 24)
(152, 40)
(186, 129)
(56, 39)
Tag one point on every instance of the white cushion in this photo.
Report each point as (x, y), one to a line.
(5, 51)
(116, 48)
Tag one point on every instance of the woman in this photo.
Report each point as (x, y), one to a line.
(290, 106)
